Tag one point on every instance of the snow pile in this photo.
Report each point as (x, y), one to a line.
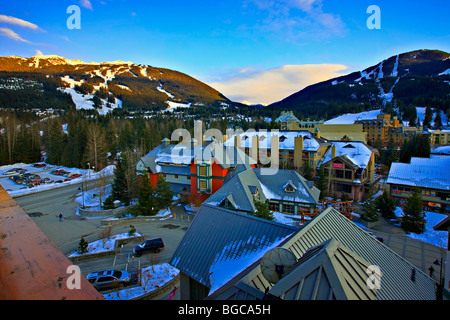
(104, 245)
(152, 278)
(174, 105)
(436, 238)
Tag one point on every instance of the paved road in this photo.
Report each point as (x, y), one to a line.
(45, 207)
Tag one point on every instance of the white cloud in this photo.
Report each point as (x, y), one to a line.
(272, 85)
(6, 32)
(18, 22)
(38, 53)
(86, 4)
(297, 19)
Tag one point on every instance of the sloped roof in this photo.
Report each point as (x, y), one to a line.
(226, 156)
(240, 188)
(326, 272)
(270, 185)
(355, 151)
(274, 182)
(433, 173)
(220, 242)
(396, 282)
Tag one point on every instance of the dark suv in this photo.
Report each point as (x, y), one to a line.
(153, 245)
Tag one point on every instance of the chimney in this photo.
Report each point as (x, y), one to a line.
(275, 152)
(333, 151)
(298, 152)
(255, 148)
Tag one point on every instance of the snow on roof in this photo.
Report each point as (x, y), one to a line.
(433, 173)
(357, 152)
(442, 149)
(287, 139)
(350, 118)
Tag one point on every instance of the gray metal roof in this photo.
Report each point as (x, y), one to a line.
(270, 185)
(396, 283)
(274, 183)
(240, 189)
(219, 237)
(326, 272)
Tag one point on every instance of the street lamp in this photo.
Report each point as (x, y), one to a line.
(440, 287)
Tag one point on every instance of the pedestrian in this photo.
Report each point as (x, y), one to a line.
(60, 217)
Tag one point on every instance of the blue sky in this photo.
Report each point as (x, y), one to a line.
(257, 51)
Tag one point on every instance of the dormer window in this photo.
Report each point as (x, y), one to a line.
(289, 187)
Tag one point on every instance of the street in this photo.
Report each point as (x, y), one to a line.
(44, 208)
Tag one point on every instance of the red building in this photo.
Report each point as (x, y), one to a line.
(193, 170)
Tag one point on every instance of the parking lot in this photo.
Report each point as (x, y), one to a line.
(28, 176)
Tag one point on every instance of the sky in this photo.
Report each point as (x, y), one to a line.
(252, 51)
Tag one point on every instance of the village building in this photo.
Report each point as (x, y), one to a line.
(285, 191)
(349, 169)
(193, 170)
(430, 175)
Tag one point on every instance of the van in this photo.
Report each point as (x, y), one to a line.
(153, 245)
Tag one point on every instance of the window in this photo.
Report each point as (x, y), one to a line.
(175, 176)
(288, 208)
(339, 173)
(203, 171)
(348, 174)
(202, 185)
(274, 207)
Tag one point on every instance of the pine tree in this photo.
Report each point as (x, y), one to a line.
(321, 182)
(163, 193)
(119, 187)
(413, 219)
(146, 197)
(369, 210)
(262, 209)
(386, 205)
(82, 246)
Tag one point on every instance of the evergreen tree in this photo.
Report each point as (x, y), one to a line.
(119, 187)
(428, 117)
(413, 219)
(321, 182)
(438, 119)
(369, 210)
(307, 172)
(386, 205)
(163, 193)
(82, 246)
(262, 209)
(146, 197)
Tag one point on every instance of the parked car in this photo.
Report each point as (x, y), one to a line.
(153, 245)
(39, 165)
(108, 279)
(15, 171)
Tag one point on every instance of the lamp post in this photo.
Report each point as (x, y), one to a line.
(440, 286)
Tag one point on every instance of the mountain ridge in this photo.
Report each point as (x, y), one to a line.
(389, 81)
(138, 87)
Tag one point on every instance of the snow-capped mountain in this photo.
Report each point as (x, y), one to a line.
(57, 82)
(419, 78)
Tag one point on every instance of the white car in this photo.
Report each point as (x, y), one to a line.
(108, 279)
